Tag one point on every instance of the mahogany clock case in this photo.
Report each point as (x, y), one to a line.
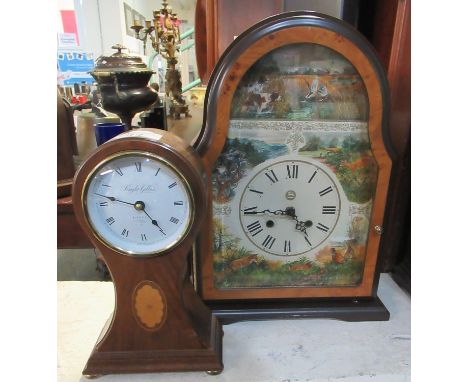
(349, 302)
(189, 337)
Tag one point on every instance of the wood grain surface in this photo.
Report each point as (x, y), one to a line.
(216, 134)
(188, 337)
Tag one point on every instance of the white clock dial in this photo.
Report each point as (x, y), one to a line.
(138, 204)
(289, 207)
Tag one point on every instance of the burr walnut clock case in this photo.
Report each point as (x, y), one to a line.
(141, 199)
(294, 145)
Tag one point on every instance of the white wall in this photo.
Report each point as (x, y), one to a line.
(144, 7)
(89, 26)
(101, 24)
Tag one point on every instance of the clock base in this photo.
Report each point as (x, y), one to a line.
(159, 360)
(368, 309)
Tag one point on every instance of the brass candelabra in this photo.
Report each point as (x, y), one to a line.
(164, 34)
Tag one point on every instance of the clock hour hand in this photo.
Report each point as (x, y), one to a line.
(289, 211)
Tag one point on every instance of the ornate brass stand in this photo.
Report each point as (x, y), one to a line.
(165, 40)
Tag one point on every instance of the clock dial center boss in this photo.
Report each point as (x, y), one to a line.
(289, 207)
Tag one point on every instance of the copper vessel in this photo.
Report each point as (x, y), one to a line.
(123, 82)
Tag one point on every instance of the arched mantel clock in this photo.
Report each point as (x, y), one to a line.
(295, 144)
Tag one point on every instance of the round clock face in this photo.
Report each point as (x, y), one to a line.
(138, 204)
(289, 207)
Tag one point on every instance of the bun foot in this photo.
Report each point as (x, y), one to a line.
(214, 372)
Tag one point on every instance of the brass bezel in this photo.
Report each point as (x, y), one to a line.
(147, 154)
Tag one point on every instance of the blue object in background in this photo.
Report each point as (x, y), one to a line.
(74, 67)
(107, 131)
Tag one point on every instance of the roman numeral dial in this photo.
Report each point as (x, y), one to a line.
(138, 204)
(269, 241)
(254, 228)
(289, 208)
(270, 174)
(250, 211)
(325, 191)
(329, 210)
(293, 170)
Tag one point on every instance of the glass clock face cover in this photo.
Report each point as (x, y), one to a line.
(293, 187)
(138, 204)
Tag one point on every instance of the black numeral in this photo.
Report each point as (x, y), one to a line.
(172, 185)
(138, 166)
(124, 233)
(110, 220)
(143, 237)
(312, 177)
(322, 227)
(258, 192)
(268, 242)
(287, 246)
(174, 220)
(179, 203)
(308, 242)
(325, 191)
(103, 204)
(293, 171)
(119, 171)
(329, 210)
(254, 228)
(250, 210)
(157, 172)
(272, 176)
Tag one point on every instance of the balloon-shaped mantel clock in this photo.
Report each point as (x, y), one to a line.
(295, 146)
(141, 198)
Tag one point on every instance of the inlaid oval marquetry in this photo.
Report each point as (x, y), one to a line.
(149, 305)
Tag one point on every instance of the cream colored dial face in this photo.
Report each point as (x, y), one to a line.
(138, 204)
(289, 207)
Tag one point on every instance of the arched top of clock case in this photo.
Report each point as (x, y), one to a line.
(161, 144)
(287, 29)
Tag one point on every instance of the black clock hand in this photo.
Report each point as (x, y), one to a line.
(140, 206)
(289, 211)
(153, 221)
(302, 226)
(112, 199)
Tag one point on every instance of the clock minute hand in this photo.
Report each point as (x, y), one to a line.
(276, 212)
(112, 199)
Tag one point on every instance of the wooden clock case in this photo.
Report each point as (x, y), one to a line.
(347, 303)
(189, 337)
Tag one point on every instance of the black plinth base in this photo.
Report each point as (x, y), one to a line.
(369, 309)
(155, 118)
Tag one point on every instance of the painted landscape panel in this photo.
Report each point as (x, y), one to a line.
(299, 101)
